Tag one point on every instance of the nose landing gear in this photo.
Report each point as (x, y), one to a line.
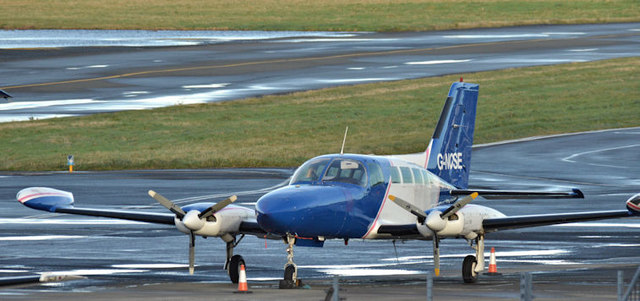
(290, 268)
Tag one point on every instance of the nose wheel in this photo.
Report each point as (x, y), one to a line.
(290, 268)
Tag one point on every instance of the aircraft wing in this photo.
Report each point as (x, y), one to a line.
(156, 218)
(53, 200)
(515, 222)
(252, 228)
(523, 221)
(519, 194)
(59, 201)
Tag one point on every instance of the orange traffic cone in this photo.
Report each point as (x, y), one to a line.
(243, 288)
(493, 267)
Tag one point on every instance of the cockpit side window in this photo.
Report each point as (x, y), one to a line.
(310, 171)
(395, 175)
(375, 174)
(346, 171)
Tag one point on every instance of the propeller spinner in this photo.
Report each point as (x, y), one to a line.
(193, 220)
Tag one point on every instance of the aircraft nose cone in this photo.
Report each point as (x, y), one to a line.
(302, 210)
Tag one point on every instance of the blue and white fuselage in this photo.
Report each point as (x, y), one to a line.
(346, 196)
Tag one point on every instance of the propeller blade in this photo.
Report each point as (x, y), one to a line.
(192, 253)
(458, 205)
(436, 254)
(413, 209)
(167, 204)
(217, 207)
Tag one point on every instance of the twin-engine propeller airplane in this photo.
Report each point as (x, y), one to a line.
(342, 196)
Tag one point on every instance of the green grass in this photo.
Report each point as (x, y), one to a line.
(384, 118)
(332, 15)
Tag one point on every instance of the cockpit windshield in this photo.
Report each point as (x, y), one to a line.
(346, 171)
(336, 170)
(310, 171)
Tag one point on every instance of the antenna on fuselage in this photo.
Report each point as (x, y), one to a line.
(344, 140)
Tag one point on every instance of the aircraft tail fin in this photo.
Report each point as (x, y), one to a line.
(449, 152)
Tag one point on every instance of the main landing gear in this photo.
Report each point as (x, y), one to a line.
(471, 266)
(233, 262)
(290, 268)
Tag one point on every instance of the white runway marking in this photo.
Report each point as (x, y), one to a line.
(564, 33)
(89, 272)
(496, 36)
(438, 62)
(66, 221)
(583, 50)
(368, 272)
(40, 237)
(87, 67)
(356, 80)
(601, 225)
(571, 158)
(13, 271)
(209, 86)
(150, 266)
(45, 103)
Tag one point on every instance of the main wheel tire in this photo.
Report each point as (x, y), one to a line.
(234, 268)
(289, 270)
(469, 274)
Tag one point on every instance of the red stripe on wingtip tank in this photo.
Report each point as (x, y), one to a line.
(31, 196)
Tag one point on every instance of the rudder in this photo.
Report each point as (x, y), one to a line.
(449, 152)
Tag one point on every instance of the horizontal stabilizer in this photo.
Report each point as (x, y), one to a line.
(519, 194)
(514, 222)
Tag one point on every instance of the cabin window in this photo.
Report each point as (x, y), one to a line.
(310, 171)
(395, 175)
(407, 178)
(426, 176)
(375, 174)
(417, 176)
(346, 171)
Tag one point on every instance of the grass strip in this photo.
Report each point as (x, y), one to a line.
(283, 131)
(305, 15)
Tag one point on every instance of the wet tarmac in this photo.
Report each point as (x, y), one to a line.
(70, 81)
(59, 38)
(129, 260)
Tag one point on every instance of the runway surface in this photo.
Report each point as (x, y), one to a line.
(134, 260)
(69, 81)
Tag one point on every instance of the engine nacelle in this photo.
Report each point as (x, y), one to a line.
(453, 226)
(225, 221)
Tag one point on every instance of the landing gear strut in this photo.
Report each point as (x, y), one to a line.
(233, 262)
(473, 265)
(290, 268)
